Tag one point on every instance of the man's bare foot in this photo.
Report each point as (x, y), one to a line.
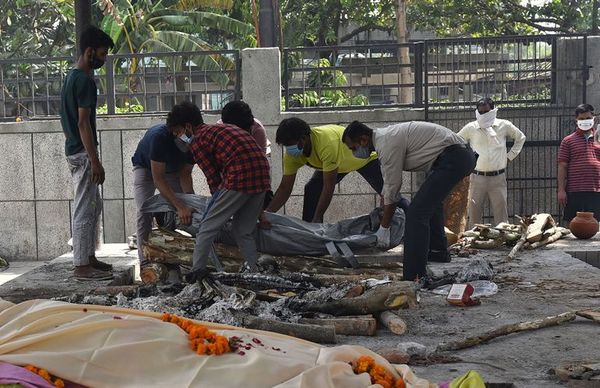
(89, 273)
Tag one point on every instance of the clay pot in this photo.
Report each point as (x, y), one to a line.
(584, 225)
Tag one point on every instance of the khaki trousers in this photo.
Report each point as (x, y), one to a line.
(492, 187)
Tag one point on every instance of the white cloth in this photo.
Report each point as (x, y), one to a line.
(490, 143)
(100, 346)
(410, 146)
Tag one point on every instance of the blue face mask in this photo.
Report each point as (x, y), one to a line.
(185, 138)
(293, 150)
(361, 152)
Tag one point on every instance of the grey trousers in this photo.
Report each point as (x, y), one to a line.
(492, 187)
(144, 188)
(87, 207)
(245, 209)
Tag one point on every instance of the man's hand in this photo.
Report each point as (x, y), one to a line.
(263, 222)
(185, 214)
(562, 197)
(383, 237)
(97, 172)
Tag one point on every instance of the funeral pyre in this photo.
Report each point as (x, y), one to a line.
(307, 297)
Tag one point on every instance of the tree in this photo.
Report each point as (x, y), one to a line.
(500, 17)
(318, 22)
(36, 28)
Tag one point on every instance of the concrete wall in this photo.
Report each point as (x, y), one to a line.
(36, 190)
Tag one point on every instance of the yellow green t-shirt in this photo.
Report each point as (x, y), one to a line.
(328, 153)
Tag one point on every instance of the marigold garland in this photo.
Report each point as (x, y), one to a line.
(379, 375)
(202, 340)
(59, 383)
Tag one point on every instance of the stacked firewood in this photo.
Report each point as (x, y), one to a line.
(532, 232)
(351, 304)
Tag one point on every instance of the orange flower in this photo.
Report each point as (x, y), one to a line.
(378, 373)
(46, 376)
(202, 340)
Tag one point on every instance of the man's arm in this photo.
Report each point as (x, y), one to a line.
(519, 138)
(283, 193)
(185, 178)
(160, 181)
(85, 131)
(465, 132)
(562, 183)
(329, 181)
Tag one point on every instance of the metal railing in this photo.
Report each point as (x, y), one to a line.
(127, 84)
(434, 74)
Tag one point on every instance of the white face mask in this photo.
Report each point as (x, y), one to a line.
(185, 138)
(486, 120)
(585, 125)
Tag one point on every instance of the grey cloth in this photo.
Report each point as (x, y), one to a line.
(492, 187)
(87, 207)
(225, 204)
(410, 146)
(292, 236)
(144, 188)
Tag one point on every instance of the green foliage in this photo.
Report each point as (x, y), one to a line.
(324, 76)
(36, 28)
(126, 108)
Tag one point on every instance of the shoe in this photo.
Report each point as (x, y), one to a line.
(440, 256)
(196, 276)
(89, 273)
(100, 265)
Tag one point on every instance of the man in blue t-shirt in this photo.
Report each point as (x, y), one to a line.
(163, 161)
(78, 119)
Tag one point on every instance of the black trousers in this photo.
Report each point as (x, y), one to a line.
(582, 201)
(425, 217)
(313, 188)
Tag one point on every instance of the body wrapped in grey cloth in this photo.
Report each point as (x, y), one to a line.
(290, 235)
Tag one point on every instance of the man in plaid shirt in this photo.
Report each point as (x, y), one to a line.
(238, 175)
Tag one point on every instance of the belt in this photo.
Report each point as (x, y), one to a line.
(489, 173)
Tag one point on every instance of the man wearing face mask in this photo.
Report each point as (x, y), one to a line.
(579, 167)
(487, 136)
(163, 161)
(416, 146)
(78, 120)
(322, 149)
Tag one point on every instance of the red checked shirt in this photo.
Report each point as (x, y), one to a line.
(582, 155)
(230, 159)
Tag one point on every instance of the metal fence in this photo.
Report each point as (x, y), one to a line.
(520, 71)
(536, 81)
(128, 83)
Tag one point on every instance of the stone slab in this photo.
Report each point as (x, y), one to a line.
(55, 278)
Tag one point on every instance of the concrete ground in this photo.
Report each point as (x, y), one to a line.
(18, 268)
(537, 284)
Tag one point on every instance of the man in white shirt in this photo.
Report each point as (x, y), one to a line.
(415, 146)
(487, 136)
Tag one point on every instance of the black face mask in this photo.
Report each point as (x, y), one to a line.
(95, 62)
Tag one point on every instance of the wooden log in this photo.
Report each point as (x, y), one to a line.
(540, 222)
(154, 273)
(487, 244)
(389, 296)
(394, 356)
(350, 325)
(455, 206)
(525, 224)
(554, 237)
(590, 314)
(393, 322)
(508, 329)
(314, 333)
(129, 291)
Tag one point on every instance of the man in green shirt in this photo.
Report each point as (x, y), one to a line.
(78, 119)
(322, 149)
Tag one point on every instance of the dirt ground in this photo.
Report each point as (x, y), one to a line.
(537, 284)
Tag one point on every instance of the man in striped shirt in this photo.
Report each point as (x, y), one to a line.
(238, 175)
(579, 167)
